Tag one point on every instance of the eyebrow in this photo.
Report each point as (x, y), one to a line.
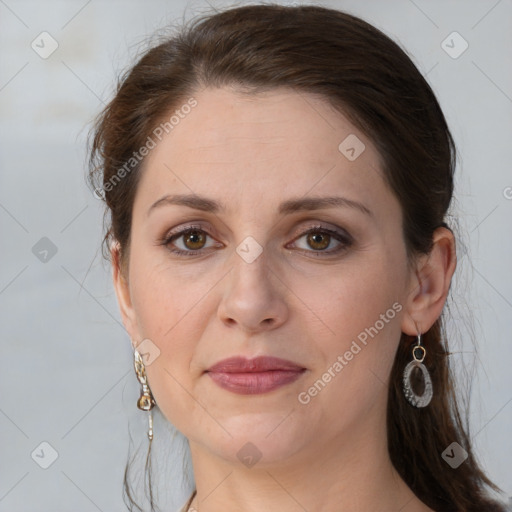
(285, 208)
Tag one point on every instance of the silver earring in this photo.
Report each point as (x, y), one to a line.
(146, 402)
(418, 354)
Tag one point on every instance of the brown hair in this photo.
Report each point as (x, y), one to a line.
(369, 78)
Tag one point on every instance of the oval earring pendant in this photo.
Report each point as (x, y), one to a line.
(415, 399)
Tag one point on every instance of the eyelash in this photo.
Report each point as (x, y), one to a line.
(345, 240)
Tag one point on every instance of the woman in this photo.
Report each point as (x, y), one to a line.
(277, 180)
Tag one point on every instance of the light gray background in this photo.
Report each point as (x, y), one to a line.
(66, 372)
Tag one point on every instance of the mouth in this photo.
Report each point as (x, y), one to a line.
(253, 376)
(250, 383)
(241, 364)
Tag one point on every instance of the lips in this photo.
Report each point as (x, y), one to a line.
(251, 376)
(241, 364)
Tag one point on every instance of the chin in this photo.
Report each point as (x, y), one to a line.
(261, 439)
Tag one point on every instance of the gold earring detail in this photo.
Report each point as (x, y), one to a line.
(418, 354)
(146, 402)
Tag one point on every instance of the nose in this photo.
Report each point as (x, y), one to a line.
(254, 297)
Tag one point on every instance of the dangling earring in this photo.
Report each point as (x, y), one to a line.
(146, 401)
(418, 354)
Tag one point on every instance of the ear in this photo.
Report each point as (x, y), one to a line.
(122, 290)
(430, 284)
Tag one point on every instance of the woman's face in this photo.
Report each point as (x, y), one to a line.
(251, 281)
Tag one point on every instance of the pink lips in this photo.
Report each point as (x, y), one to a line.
(250, 376)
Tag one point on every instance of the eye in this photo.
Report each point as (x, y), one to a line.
(319, 238)
(189, 241)
(192, 240)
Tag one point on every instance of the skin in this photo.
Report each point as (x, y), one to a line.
(251, 153)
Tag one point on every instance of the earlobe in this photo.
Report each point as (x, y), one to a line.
(122, 290)
(430, 284)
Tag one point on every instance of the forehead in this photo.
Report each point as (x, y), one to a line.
(229, 120)
(276, 143)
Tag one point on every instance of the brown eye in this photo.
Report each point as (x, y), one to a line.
(188, 242)
(318, 238)
(194, 239)
(318, 241)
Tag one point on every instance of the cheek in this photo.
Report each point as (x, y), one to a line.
(170, 304)
(346, 300)
(360, 313)
(162, 317)
(163, 295)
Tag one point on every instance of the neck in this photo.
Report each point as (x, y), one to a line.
(349, 474)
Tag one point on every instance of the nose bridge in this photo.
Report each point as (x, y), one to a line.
(251, 271)
(254, 258)
(253, 297)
